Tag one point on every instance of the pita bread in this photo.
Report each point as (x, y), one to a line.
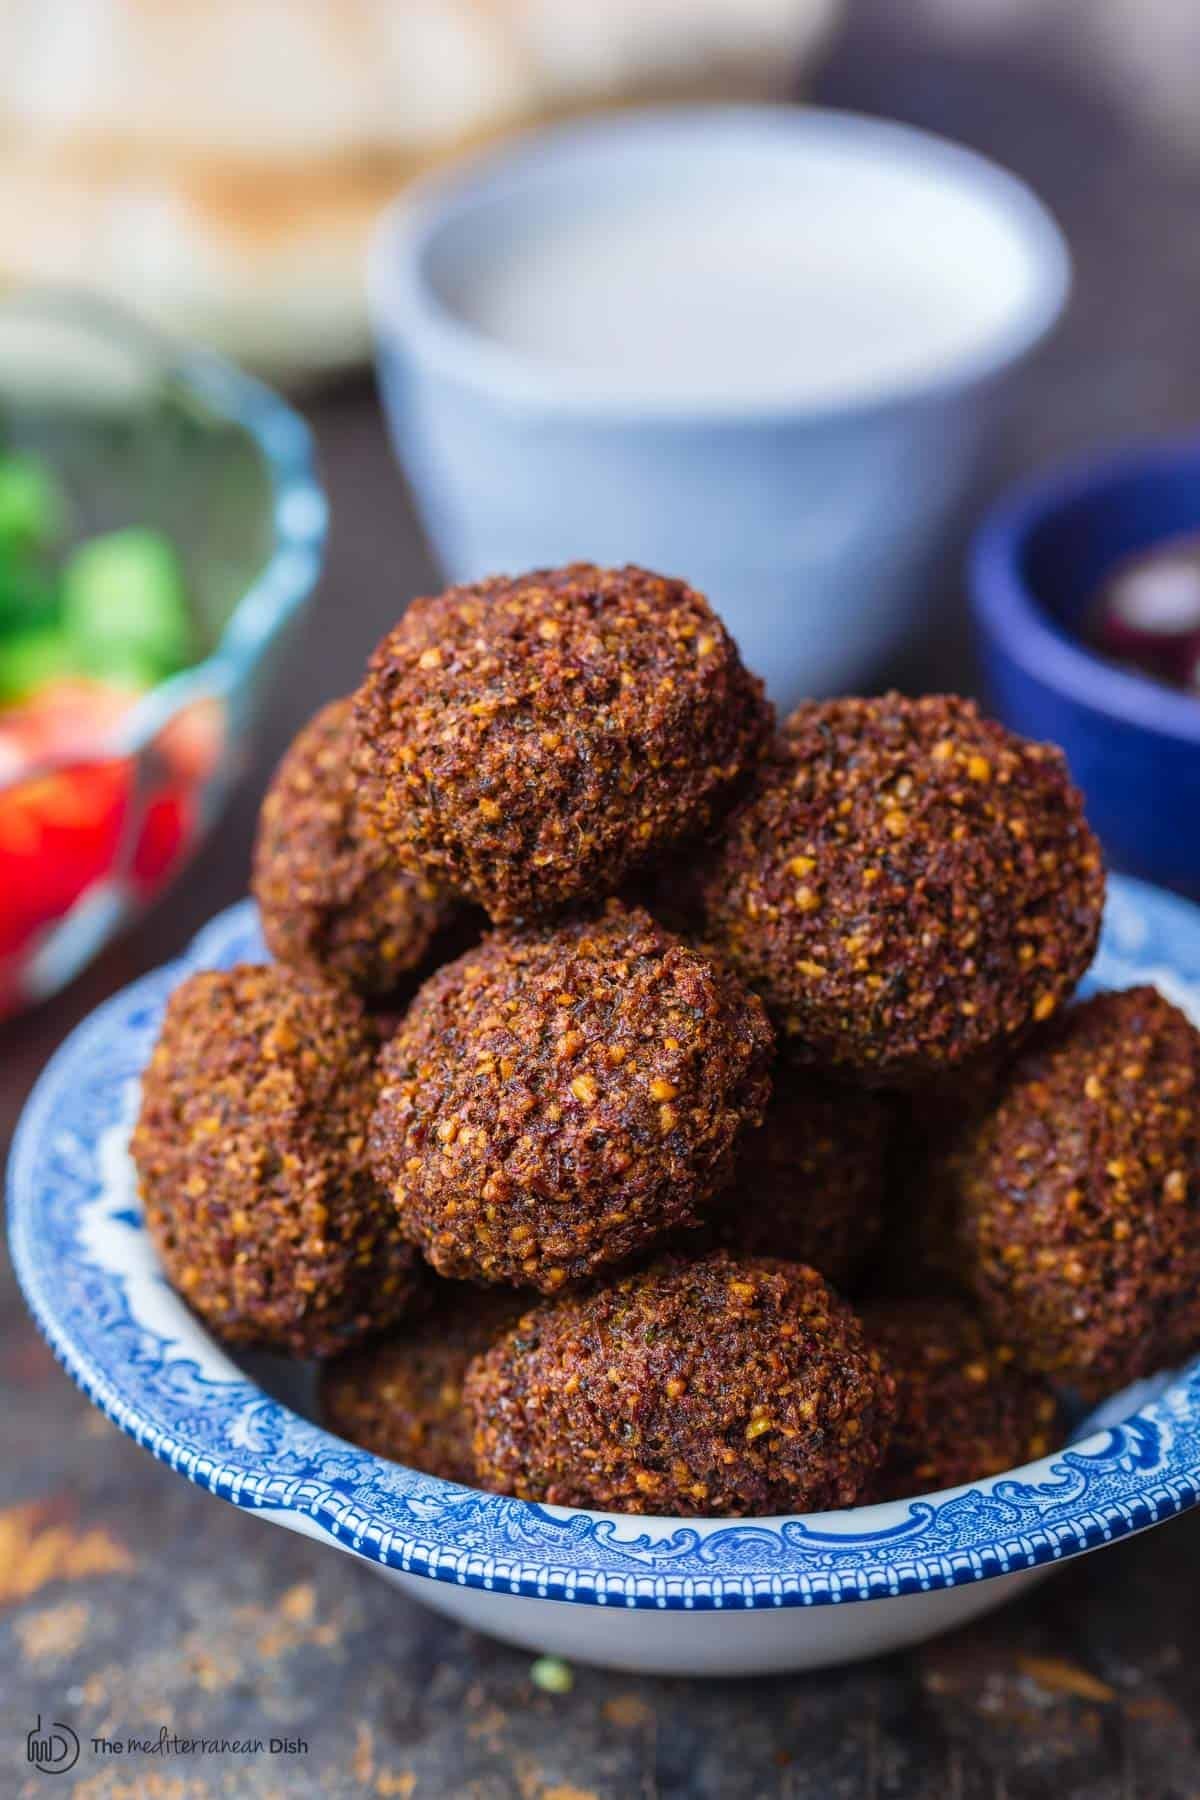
(216, 164)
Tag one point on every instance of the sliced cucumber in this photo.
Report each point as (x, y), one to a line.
(31, 658)
(32, 508)
(28, 595)
(125, 605)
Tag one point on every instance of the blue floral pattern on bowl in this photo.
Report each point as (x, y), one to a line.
(94, 1286)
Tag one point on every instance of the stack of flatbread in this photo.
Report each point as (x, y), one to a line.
(216, 164)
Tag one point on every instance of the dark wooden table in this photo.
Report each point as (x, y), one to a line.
(130, 1600)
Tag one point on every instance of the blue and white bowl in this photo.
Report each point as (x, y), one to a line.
(759, 1595)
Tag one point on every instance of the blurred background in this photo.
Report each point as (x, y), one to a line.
(181, 177)
(218, 165)
(195, 174)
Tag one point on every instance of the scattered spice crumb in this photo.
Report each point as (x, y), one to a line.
(628, 1711)
(1060, 1677)
(53, 1633)
(38, 1545)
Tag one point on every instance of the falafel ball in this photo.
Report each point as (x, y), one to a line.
(1079, 1220)
(910, 886)
(331, 901)
(250, 1148)
(532, 740)
(964, 1408)
(809, 1183)
(402, 1397)
(558, 1099)
(917, 1252)
(726, 1385)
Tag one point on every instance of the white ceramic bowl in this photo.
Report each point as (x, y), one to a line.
(677, 1596)
(810, 510)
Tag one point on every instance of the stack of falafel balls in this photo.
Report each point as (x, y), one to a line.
(652, 1109)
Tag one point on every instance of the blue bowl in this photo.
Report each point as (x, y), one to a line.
(1133, 744)
(673, 1596)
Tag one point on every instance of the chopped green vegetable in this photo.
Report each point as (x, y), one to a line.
(31, 658)
(125, 606)
(116, 609)
(28, 594)
(120, 667)
(552, 1675)
(32, 508)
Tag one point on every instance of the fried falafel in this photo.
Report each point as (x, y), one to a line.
(531, 741)
(1079, 1195)
(910, 886)
(557, 1099)
(250, 1149)
(917, 1252)
(331, 901)
(963, 1407)
(810, 1182)
(725, 1385)
(402, 1397)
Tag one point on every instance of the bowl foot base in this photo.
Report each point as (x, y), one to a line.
(728, 1642)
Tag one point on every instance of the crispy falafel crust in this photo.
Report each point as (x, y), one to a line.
(909, 886)
(964, 1408)
(250, 1148)
(530, 741)
(1079, 1221)
(918, 1254)
(557, 1099)
(332, 903)
(810, 1183)
(401, 1397)
(726, 1385)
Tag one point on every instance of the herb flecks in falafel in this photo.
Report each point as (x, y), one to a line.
(332, 903)
(723, 1385)
(531, 741)
(910, 886)
(558, 1099)
(965, 1409)
(1079, 1195)
(250, 1148)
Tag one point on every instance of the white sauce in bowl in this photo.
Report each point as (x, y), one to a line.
(815, 270)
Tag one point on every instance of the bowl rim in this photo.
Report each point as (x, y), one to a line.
(404, 310)
(132, 1347)
(1008, 614)
(298, 509)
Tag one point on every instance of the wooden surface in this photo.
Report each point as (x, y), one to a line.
(129, 1600)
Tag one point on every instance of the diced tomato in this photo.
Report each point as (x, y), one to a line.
(65, 718)
(168, 827)
(193, 742)
(59, 834)
(61, 830)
